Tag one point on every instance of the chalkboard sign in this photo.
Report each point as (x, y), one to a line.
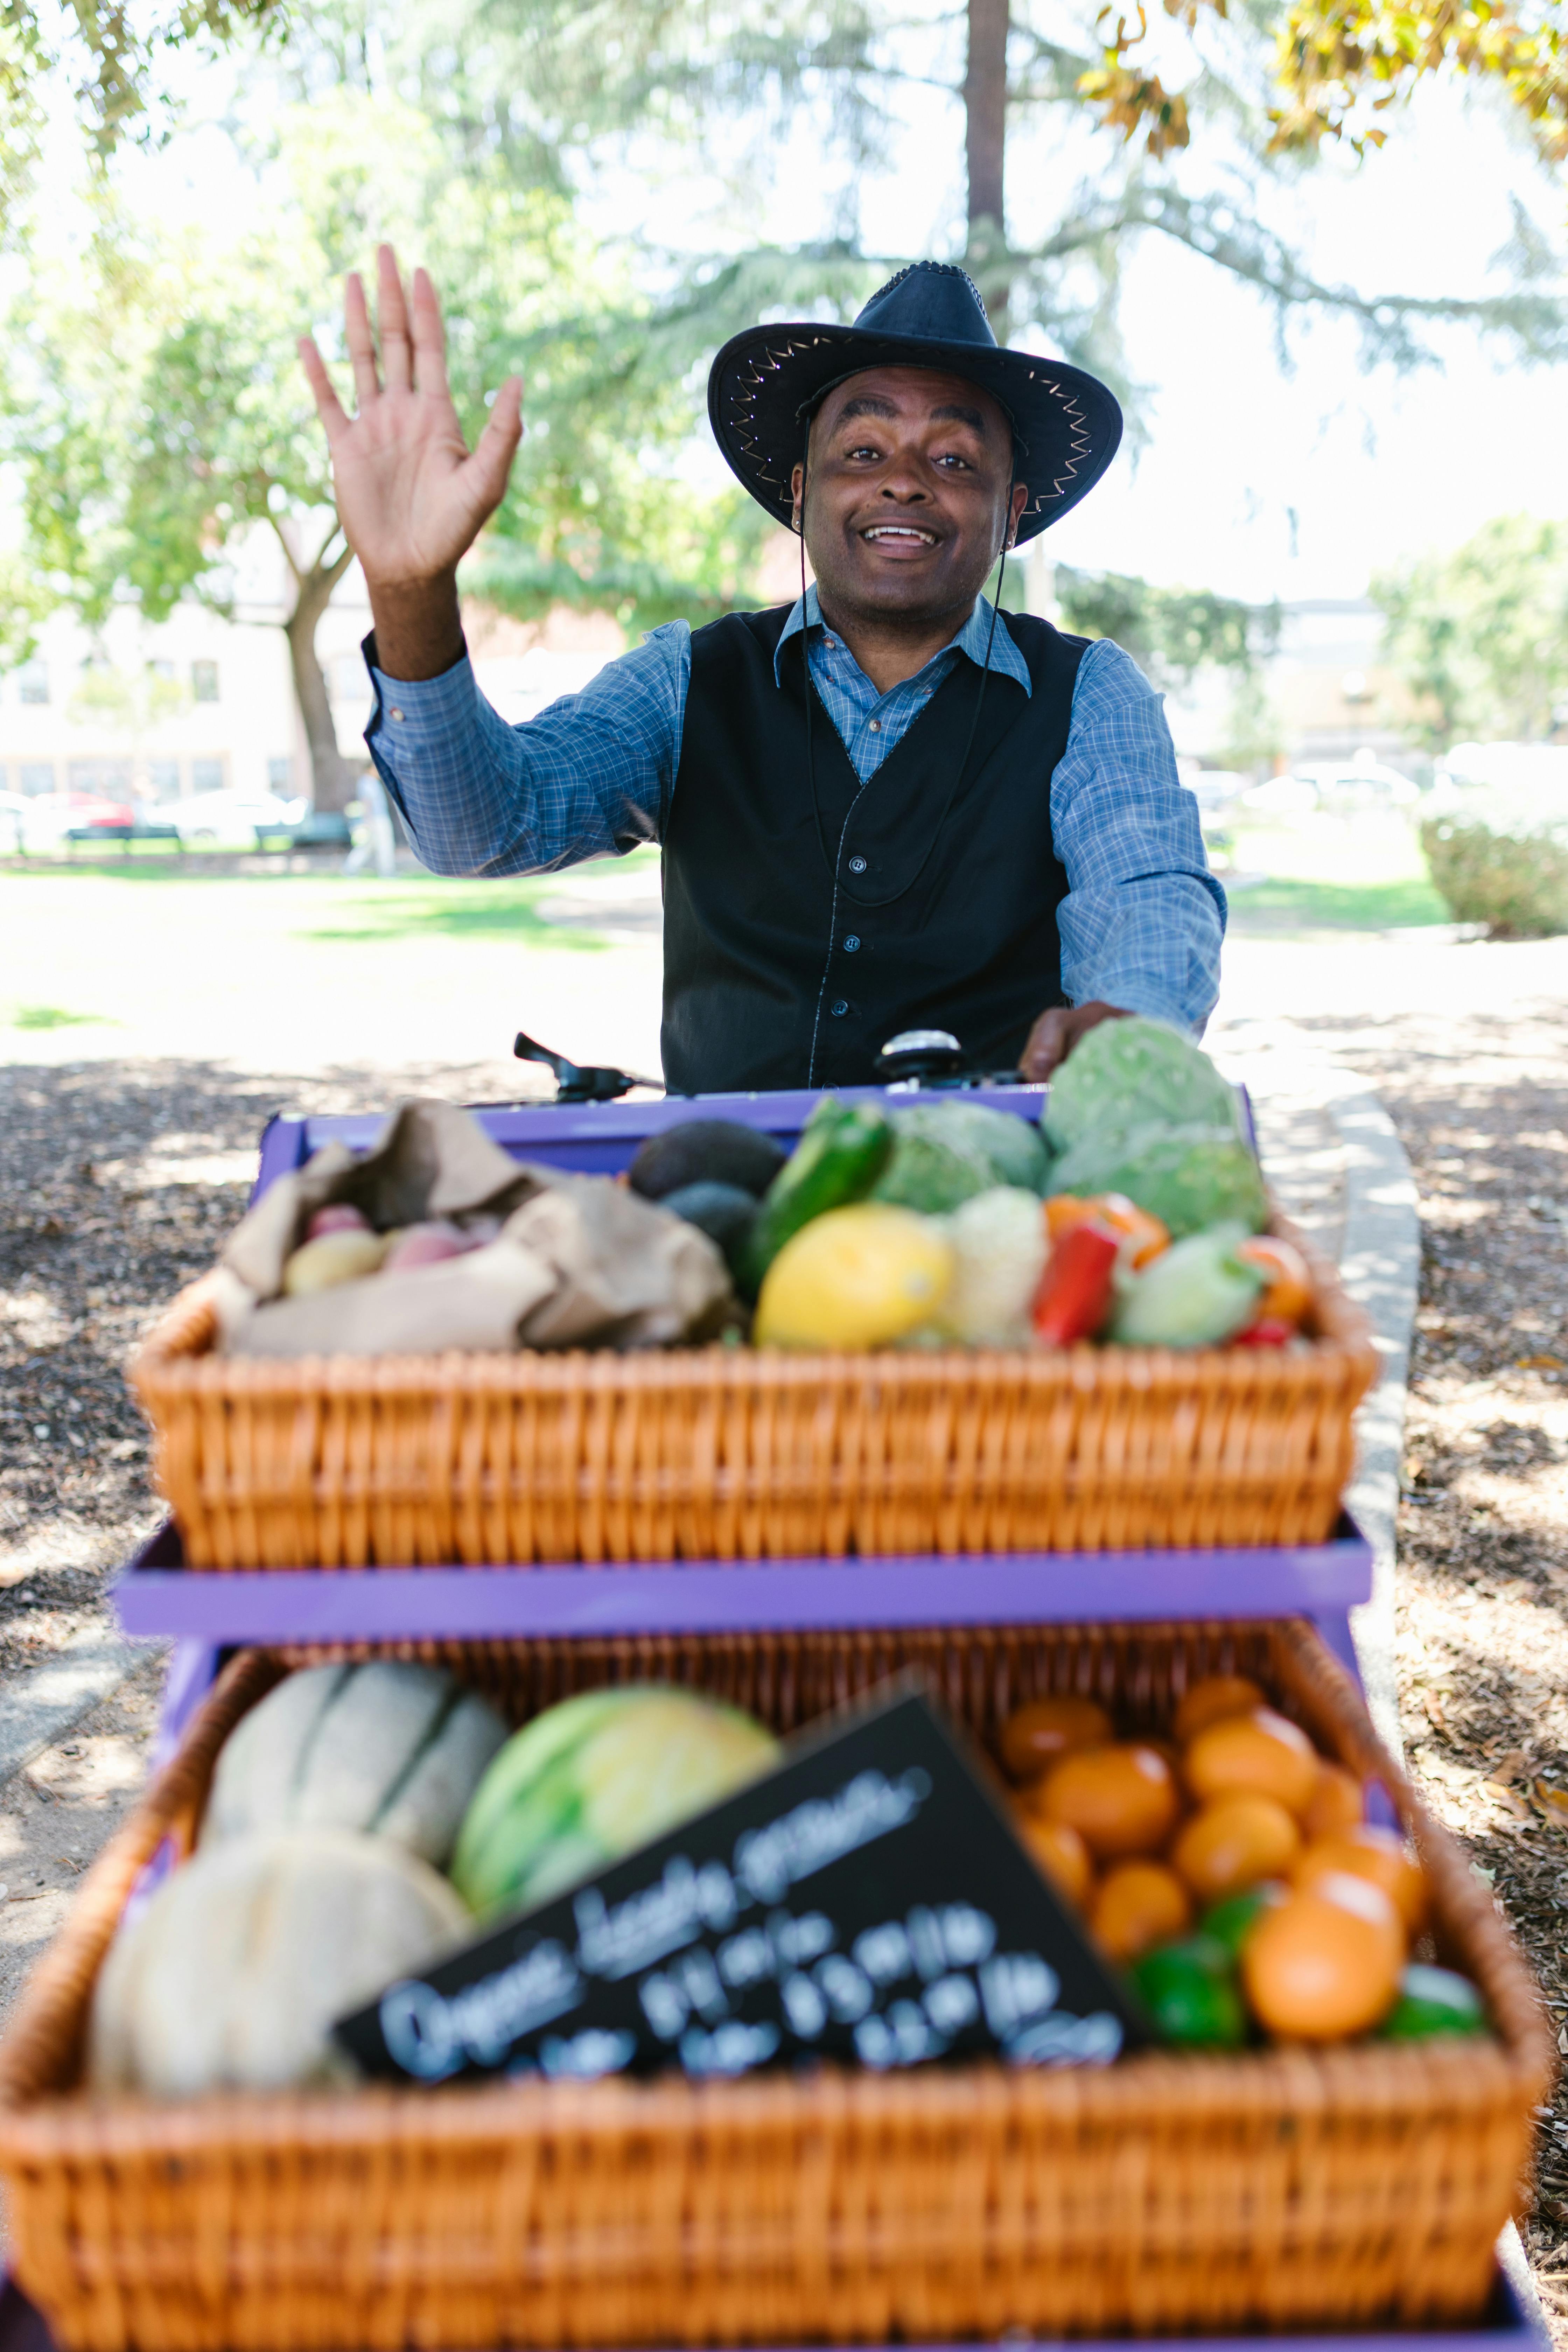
(867, 1902)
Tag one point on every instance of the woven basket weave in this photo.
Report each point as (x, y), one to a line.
(1281, 2188)
(731, 1454)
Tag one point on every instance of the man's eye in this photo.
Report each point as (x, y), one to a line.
(865, 450)
(953, 459)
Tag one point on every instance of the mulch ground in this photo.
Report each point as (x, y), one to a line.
(116, 1186)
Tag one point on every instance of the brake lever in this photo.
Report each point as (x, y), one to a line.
(584, 1083)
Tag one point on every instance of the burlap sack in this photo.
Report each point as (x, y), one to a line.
(583, 1263)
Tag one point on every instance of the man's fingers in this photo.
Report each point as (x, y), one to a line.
(361, 342)
(329, 407)
(491, 461)
(1048, 1042)
(429, 337)
(392, 315)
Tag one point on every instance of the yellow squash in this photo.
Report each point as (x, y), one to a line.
(856, 1278)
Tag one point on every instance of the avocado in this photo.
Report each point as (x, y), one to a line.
(723, 1212)
(705, 1151)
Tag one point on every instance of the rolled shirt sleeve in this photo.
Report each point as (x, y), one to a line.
(1144, 921)
(592, 774)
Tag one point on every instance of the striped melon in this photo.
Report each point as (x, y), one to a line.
(394, 1750)
(594, 1778)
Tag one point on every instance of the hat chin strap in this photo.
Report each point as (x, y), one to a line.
(833, 863)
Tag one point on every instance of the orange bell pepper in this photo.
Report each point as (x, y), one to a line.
(1287, 1295)
(1145, 1234)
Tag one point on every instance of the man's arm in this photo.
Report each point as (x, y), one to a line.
(1143, 920)
(589, 776)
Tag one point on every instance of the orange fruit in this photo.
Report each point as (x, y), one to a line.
(1334, 1805)
(1059, 1853)
(1235, 1841)
(1262, 1754)
(1136, 1905)
(1211, 1701)
(1038, 1734)
(1326, 1963)
(1288, 1296)
(1378, 1855)
(1120, 1799)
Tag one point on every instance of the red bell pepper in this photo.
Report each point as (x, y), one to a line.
(1074, 1292)
(1268, 1331)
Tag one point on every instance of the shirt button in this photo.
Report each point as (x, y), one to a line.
(396, 712)
(839, 1009)
(830, 641)
(857, 865)
(850, 944)
(876, 726)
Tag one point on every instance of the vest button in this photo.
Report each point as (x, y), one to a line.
(850, 944)
(857, 865)
(839, 1009)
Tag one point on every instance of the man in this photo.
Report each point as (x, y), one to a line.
(883, 808)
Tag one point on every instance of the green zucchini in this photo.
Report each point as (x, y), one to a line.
(843, 1149)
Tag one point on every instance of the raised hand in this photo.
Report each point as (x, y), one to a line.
(410, 498)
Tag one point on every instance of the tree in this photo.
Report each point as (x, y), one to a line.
(1171, 633)
(1480, 636)
(116, 61)
(157, 418)
(552, 83)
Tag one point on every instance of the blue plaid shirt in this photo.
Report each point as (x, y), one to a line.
(1143, 920)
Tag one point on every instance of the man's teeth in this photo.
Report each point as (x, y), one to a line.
(899, 531)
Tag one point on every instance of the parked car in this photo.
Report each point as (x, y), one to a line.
(46, 818)
(207, 820)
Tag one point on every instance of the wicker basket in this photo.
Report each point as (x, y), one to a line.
(727, 1454)
(1285, 2188)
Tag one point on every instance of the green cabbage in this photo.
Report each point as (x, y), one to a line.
(946, 1151)
(1127, 1076)
(929, 1172)
(1190, 1176)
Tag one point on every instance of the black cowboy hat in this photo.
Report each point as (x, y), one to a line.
(765, 385)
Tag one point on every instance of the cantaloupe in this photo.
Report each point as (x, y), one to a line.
(596, 1777)
(233, 1974)
(394, 1750)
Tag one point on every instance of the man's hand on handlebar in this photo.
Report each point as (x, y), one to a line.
(1056, 1033)
(410, 498)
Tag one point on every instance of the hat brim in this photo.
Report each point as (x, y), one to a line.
(765, 383)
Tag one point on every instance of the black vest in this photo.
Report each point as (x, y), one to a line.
(798, 939)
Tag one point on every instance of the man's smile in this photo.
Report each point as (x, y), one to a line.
(899, 535)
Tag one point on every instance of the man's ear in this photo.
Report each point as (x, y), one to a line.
(796, 483)
(1017, 501)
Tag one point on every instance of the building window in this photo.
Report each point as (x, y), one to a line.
(207, 775)
(163, 778)
(161, 669)
(109, 780)
(203, 681)
(38, 775)
(33, 682)
(278, 775)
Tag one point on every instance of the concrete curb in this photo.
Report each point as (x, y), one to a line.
(1380, 1264)
(51, 1698)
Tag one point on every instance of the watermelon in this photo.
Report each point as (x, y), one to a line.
(594, 1778)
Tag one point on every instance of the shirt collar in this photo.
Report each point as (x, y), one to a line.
(1005, 658)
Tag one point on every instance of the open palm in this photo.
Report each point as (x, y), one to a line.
(411, 497)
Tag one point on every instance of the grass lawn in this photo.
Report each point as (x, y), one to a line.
(293, 971)
(1284, 904)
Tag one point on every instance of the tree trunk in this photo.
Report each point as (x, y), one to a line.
(334, 781)
(985, 148)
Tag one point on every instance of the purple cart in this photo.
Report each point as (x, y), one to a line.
(206, 1614)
